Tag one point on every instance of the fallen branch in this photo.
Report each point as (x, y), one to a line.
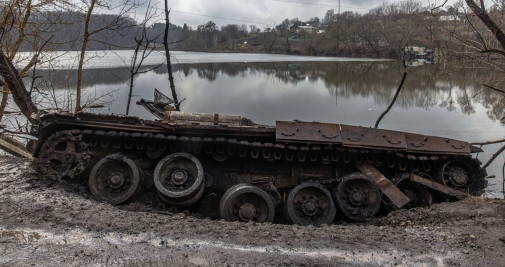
(489, 142)
(495, 155)
(494, 88)
(14, 147)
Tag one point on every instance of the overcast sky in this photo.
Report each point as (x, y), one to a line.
(262, 12)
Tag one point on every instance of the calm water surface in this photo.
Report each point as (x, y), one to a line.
(433, 102)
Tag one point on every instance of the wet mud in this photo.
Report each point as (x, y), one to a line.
(44, 223)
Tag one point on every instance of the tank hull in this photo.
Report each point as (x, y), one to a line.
(230, 167)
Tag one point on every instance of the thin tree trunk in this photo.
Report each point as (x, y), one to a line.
(81, 58)
(22, 28)
(167, 54)
(132, 73)
(288, 46)
(5, 98)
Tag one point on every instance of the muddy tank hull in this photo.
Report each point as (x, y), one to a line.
(232, 168)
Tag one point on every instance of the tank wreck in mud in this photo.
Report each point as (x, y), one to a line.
(232, 168)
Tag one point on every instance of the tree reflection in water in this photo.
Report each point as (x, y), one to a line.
(426, 87)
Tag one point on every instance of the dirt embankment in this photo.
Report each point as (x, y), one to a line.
(59, 224)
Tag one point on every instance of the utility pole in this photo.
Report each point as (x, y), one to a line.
(339, 7)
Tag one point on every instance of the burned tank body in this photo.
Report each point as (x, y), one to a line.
(232, 168)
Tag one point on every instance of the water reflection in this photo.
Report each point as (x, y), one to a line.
(426, 86)
(433, 101)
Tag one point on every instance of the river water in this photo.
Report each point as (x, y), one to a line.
(435, 100)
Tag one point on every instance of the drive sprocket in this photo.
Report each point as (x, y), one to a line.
(63, 154)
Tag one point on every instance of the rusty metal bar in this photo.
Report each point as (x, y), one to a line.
(437, 186)
(386, 186)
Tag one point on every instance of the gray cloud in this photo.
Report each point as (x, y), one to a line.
(244, 11)
(261, 12)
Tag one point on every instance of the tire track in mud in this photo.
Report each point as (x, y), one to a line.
(90, 242)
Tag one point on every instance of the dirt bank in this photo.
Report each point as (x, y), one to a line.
(59, 224)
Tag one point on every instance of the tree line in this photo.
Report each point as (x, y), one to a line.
(64, 30)
(382, 32)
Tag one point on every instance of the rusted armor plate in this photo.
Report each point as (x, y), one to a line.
(385, 185)
(356, 136)
(308, 132)
(420, 143)
(437, 186)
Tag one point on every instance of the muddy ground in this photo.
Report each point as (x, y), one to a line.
(59, 224)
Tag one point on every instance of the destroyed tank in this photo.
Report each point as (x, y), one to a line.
(229, 167)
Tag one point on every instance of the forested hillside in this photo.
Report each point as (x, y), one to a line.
(385, 31)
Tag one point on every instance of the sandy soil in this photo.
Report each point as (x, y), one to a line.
(59, 224)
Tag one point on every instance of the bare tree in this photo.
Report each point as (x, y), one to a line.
(144, 46)
(483, 15)
(15, 29)
(284, 31)
(117, 23)
(268, 39)
(493, 50)
(487, 45)
(366, 30)
(347, 27)
(167, 55)
(230, 34)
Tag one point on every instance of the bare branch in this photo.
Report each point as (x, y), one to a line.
(486, 19)
(495, 155)
(489, 142)
(494, 88)
(442, 5)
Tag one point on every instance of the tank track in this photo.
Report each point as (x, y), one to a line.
(146, 149)
(153, 144)
(255, 150)
(229, 147)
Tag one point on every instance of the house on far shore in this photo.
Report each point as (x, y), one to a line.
(321, 29)
(450, 16)
(307, 29)
(418, 51)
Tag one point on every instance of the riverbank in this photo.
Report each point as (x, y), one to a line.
(110, 59)
(59, 224)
